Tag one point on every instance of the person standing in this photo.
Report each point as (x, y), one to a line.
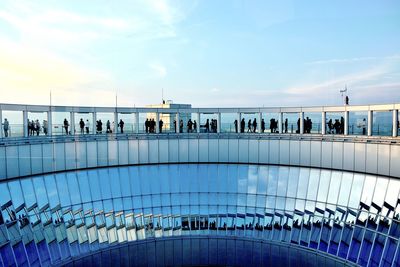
(66, 124)
(286, 125)
(160, 125)
(236, 126)
(195, 126)
(87, 126)
(121, 125)
(262, 125)
(108, 124)
(6, 127)
(254, 125)
(82, 126)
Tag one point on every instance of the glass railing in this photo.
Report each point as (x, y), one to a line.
(16, 130)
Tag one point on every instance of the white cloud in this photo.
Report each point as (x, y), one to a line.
(159, 69)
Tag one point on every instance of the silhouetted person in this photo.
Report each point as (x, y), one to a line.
(336, 125)
(6, 127)
(121, 125)
(108, 124)
(207, 126)
(82, 126)
(87, 126)
(298, 126)
(195, 126)
(189, 126)
(242, 125)
(347, 100)
(45, 127)
(236, 126)
(364, 125)
(286, 125)
(249, 126)
(66, 124)
(341, 125)
(181, 126)
(175, 126)
(254, 125)
(146, 125)
(262, 125)
(272, 125)
(330, 126)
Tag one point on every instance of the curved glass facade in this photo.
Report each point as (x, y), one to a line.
(51, 219)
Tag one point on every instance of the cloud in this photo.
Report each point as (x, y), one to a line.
(351, 60)
(159, 69)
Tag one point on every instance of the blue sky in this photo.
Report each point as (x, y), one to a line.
(207, 53)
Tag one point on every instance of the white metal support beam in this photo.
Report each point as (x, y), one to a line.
(301, 115)
(395, 122)
(346, 123)
(25, 122)
(323, 123)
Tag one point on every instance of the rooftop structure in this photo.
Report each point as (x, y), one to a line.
(318, 186)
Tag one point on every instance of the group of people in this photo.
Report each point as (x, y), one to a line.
(34, 127)
(336, 127)
(150, 125)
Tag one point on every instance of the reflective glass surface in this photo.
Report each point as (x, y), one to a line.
(51, 218)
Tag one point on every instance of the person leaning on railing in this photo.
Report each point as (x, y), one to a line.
(6, 127)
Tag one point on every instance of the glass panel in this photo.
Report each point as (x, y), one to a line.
(291, 123)
(251, 122)
(358, 122)
(12, 125)
(167, 122)
(356, 190)
(271, 122)
(323, 187)
(334, 123)
(84, 123)
(105, 123)
(126, 123)
(208, 122)
(334, 187)
(313, 184)
(312, 122)
(229, 123)
(61, 123)
(37, 123)
(382, 123)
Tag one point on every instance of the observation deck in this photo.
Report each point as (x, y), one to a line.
(309, 185)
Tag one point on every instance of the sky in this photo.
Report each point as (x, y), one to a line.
(236, 53)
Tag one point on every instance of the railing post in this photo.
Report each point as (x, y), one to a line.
(137, 123)
(198, 122)
(1, 123)
(280, 121)
(72, 120)
(157, 122)
(218, 122)
(323, 123)
(49, 123)
(346, 123)
(301, 122)
(395, 122)
(370, 123)
(178, 122)
(239, 118)
(94, 123)
(115, 122)
(25, 123)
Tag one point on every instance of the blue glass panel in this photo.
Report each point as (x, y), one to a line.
(7, 255)
(32, 253)
(54, 251)
(20, 255)
(64, 249)
(43, 252)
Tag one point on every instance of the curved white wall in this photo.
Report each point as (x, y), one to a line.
(29, 159)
